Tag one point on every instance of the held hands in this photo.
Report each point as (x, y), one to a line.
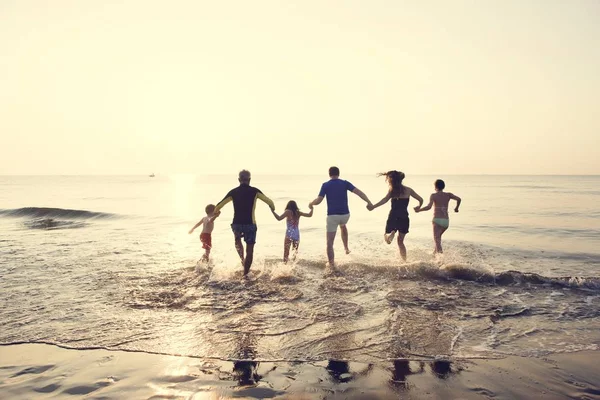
(311, 206)
(370, 207)
(417, 209)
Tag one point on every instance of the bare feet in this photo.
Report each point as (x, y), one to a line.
(390, 237)
(347, 250)
(329, 267)
(330, 270)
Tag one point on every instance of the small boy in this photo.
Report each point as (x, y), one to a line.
(208, 223)
(441, 220)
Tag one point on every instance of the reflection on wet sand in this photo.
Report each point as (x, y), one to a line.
(339, 370)
(341, 373)
(339, 336)
(442, 369)
(401, 371)
(59, 372)
(245, 369)
(245, 372)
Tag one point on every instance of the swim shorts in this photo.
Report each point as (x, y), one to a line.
(246, 231)
(333, 221)
(206, 240)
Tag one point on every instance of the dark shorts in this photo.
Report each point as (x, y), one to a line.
(399, 224)
(246, 231)
(206, 240)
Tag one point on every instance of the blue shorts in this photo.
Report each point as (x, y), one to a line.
(246, 231)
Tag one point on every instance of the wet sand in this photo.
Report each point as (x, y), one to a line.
(44, 371)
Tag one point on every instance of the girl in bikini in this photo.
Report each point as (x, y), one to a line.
(292, 232)
(397, 221)
(441, 221)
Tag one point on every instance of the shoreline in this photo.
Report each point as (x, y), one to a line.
(48, 370)
(414, 357)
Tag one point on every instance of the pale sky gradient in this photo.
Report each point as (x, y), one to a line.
(427, 87)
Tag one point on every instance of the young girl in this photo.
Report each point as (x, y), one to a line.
(398, 218)
(441, 219)
(292, 233)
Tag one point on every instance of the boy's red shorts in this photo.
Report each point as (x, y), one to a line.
(206, 240)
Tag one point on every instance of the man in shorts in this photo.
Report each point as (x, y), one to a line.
(336, 190)
(244, 224)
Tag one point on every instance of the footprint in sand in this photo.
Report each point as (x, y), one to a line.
(48, 388)
(86, 389)
(33, 370)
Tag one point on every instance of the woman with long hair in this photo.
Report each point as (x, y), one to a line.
(398, 221)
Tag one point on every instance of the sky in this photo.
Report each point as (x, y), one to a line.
(293, 87)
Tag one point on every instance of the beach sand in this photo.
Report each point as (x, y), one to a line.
(31, 371)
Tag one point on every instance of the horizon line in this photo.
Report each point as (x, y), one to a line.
(284, 174)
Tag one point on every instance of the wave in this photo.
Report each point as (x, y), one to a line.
(50, 224)
(53, 213)
(505, 278)
(437, 270)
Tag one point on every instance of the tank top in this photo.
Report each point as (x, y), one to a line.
(399, 208)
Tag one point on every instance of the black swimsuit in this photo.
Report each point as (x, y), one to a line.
(398, 217)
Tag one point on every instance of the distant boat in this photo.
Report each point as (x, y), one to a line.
(151, 175)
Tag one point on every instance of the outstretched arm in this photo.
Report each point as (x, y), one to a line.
(309, 214)
(379, 203)
(319, 198)
(228, 197)
(267, 200)
(316, 201)
(458, 200)
(418, 198)
(280, 217)
(428, 206)
(360, 194)
(197, 225)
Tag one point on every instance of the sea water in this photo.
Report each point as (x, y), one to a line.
(106, 262)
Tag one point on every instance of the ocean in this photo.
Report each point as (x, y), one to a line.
(105, 262)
